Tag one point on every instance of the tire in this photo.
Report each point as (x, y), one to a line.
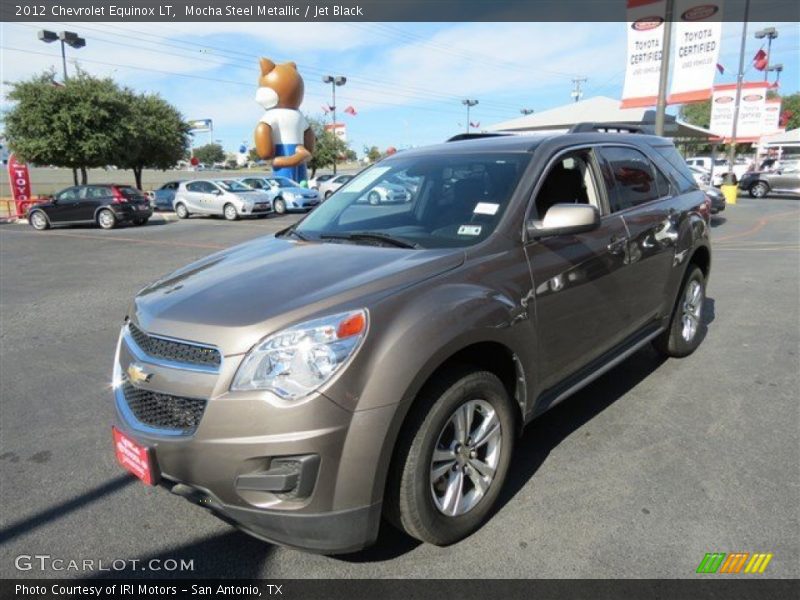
(681, 338)
(279, 206)
(420, 506)
(181, 210)
(374, 198)
(759, 189)
(106, 219)
(139, 222)
(229, 212)
(38, 220)
(328, 195)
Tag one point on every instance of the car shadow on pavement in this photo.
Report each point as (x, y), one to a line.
(228, 555)
(717, 221)
(63, 509)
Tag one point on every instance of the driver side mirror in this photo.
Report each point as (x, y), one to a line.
(565, 219)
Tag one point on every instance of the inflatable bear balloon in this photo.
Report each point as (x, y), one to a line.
(283, 133)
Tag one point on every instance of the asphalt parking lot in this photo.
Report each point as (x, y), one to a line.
(638, 475)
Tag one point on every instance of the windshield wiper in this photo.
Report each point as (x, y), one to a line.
(293, 231)
(371, 236)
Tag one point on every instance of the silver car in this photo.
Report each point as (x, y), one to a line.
(286, 194)
(326, 188)
(227, 197)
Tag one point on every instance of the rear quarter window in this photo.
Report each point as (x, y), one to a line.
(679, 170)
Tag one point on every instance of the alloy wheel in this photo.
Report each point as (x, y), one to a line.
(465, 458)
(38, 220)
(692, 308)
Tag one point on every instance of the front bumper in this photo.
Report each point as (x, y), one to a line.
(302, 203)
(241, 462)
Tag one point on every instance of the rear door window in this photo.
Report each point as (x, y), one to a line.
(678, 168)
(633, 176)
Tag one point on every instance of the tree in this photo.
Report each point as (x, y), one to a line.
(697, 113)
(209, 154)
(373, 154)
(790, 107)
(328, 147)
(156, 136)
(79, 125)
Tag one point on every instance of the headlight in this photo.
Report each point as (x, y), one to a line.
(296, 361)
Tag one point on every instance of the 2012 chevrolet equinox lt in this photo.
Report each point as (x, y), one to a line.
(380, 359)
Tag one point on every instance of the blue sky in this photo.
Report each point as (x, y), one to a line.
(406, 80)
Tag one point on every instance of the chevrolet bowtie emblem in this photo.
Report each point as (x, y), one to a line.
(137, 374)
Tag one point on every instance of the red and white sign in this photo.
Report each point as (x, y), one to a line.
(133, 457)
(338, 129)
(645, 39)
(750, 123)
(697, 35)
(20, 180)
(772, 116)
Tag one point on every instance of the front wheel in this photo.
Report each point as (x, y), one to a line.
(229, 210)
(686, 327)
(106, 219)
(759, 189)
(452, 457)
(374, 198)
(279, 206)
(181, 211)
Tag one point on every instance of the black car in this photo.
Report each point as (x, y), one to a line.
(104, 204)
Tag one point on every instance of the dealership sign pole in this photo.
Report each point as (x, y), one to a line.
(20, 180)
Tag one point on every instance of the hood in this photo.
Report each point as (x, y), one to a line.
(233, 298)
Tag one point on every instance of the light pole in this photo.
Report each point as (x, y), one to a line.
(334, 81)
(526, 111)
(73, 40)
(469, 104)
(67, 38)
(770, 33)
(777, 69)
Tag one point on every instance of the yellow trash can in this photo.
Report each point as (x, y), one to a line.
(730, 191)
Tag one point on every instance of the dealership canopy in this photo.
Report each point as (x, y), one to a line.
(599, 109)
(785, 139)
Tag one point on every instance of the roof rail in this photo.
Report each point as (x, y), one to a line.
(476, 136)
(608, 127)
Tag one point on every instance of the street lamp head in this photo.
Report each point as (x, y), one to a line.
(327, 79)
(340, 80)
(778, 67)
(767, 32)
(77, 43)
(47, 36)
(468, 102)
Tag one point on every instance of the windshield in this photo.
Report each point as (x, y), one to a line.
(284, 182)
(229, 185)
(427, 201)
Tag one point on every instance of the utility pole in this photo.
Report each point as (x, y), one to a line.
(334, 81)
(469, 104)
(739, 80)
(666, 43)
(577, 94)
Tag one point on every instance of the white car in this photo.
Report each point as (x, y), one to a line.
(286, 194)
(721, 167)
(701, 176)
(227, 197)
(388, 193)
(326, 188)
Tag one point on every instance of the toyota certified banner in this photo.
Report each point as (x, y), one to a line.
(697, 34)
(772, 116)
(645, 38)
(750, 124)
(20, 180)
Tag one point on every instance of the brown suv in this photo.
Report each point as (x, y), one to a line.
(380, 359)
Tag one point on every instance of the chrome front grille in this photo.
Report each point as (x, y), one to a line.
(164, 411)
(174, 350)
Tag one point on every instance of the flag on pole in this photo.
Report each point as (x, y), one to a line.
(760, 60)
(350, 111)
(326, 109)
(721, 69)
(476, 125)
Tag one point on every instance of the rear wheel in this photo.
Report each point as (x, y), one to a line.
(181, 211)
(229, 210)
(452, 457)
(759, 189)
(328, 195)
(686, 327)
(39, 220)
(279, 206)
(374, 198)
(106, 219)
